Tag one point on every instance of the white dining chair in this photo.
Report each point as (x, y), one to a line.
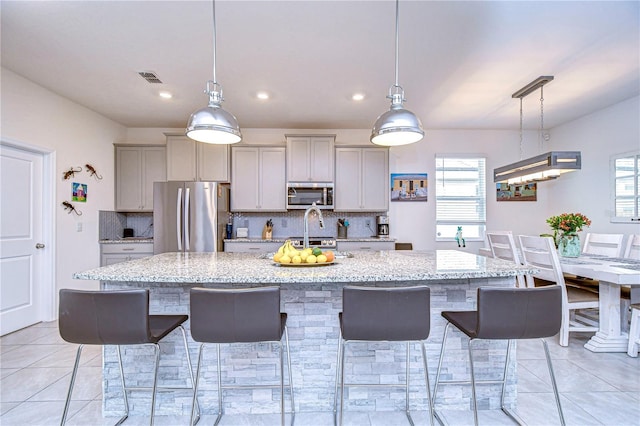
(633, 247)
(503, 246)
(634, 331)
(540, 253)
(609, 245)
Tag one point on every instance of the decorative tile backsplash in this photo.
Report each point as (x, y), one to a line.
(291, 223)
(112, 224)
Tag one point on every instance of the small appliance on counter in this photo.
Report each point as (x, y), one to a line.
(127, 233)
(382, 223)
(242, 232)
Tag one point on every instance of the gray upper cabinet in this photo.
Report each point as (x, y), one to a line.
(188, 160)
(362, 179)
(310, 158)
(258, 179)
(137, 167)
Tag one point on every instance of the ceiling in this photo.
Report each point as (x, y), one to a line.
(459, 61)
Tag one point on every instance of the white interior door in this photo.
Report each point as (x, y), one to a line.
(21, 245)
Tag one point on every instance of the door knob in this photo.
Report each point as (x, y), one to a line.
(39, 246)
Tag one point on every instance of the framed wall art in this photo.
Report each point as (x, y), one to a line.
(409, 187)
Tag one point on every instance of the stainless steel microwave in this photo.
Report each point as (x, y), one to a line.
(301, 195)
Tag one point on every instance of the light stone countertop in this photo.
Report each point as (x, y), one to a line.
(282, 240)
(132, 240)
(362, 267)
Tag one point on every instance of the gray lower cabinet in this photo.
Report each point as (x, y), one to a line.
(122, 252)
(249, 247)
(365, 245)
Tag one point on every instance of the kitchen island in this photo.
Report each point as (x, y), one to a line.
(312, 299)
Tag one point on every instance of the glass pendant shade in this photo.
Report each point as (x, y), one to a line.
(396, 127)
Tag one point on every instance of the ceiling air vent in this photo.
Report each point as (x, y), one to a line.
(150, 76)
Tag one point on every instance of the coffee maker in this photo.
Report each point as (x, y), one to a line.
(382, 223)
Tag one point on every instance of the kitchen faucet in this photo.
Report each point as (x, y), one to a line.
(306, 222)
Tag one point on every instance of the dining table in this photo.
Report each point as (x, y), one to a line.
(612, 273)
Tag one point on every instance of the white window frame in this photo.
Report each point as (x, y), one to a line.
(482, 187)
(636, 188)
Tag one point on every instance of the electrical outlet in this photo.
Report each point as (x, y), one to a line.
(79, 227)
(284, 223)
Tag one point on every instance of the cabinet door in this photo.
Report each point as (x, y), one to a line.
(245, 179)
(181, 158)
(321, 160)
(112, 259)
(375, 179)
(213, 162)
(272, 179)
(128, 178)
(347, 193)
(298, 154)
(154, 169)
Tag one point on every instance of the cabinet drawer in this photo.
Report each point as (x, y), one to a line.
(248, 247)
(365, 245)
(127, 248)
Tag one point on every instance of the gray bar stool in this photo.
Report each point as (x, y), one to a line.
(116, 318)
(249, 315)
(378, 314)
(506, 314)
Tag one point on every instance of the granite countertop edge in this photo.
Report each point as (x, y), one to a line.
(368, 266)
(282, 240)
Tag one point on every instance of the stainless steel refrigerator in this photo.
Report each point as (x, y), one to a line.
(189, 216)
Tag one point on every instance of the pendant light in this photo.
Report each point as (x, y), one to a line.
(547, 166)
(213, 124)
(398, 126)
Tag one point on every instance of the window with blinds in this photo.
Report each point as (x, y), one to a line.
(460, 197)
(626, 188)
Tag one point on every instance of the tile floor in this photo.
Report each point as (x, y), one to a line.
(596, 389)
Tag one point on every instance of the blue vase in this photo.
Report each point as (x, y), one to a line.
(569, 245)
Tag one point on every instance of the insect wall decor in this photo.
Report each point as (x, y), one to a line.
(92, 171)
(71, 173)
(71, 208)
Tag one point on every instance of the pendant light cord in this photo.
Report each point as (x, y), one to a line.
(213, 6)
(521, 134)
(397, 30)
(541, 137)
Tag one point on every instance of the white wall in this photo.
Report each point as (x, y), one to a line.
(38, 117)
(611, 131)
(598, 136)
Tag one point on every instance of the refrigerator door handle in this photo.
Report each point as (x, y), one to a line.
(187, 230)
(178, 211)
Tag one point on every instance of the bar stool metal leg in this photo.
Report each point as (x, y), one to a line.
(426, 379)
(293, 404)
(73, 381)
(335, 394)
(474, 401)
(435, 387)
(553, 381)
(124, 388)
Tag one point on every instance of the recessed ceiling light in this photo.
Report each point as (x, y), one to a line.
(165, 95)
(357, 97)
(262, 95)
